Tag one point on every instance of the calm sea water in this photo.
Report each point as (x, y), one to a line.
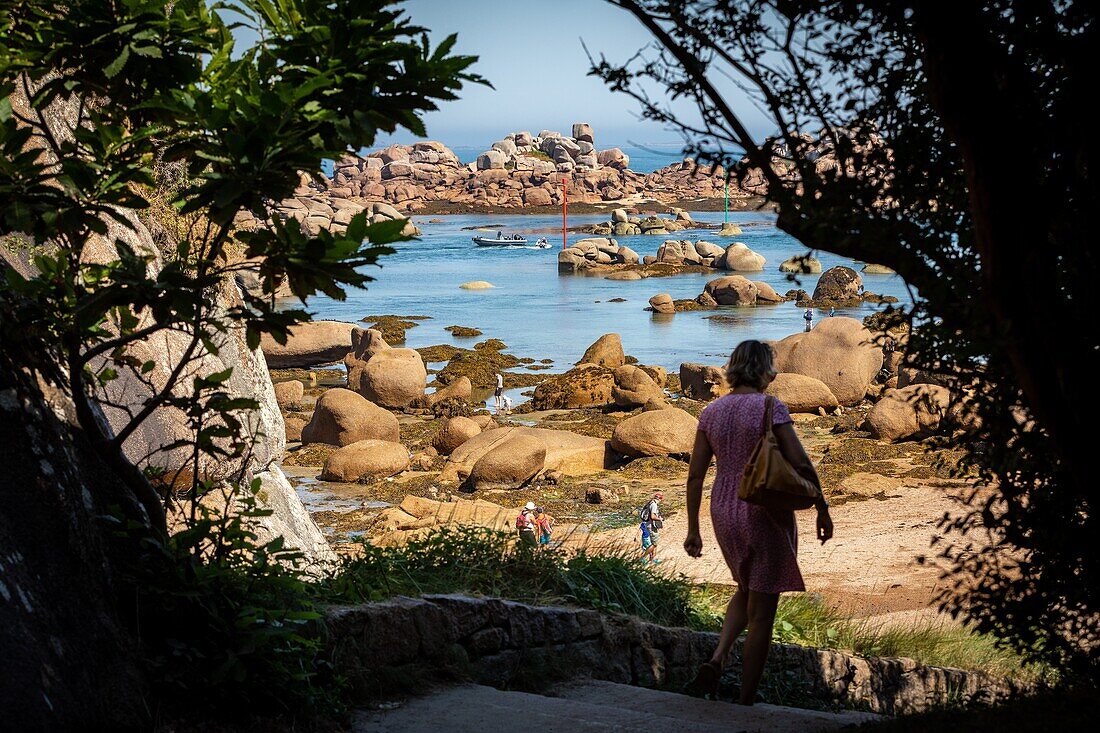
(542, 314)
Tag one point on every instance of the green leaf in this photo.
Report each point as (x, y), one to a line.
(112, 69)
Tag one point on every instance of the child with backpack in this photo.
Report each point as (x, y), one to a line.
(652, 522)
(544, 525)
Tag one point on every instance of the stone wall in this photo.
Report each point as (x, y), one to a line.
(498, 642)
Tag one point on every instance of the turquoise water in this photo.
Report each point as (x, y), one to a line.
(541, 314)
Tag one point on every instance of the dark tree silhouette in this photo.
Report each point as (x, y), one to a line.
(950, 143)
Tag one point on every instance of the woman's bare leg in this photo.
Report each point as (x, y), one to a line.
(758, 642)
(736, 619)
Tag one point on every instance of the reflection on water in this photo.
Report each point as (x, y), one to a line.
(541, 314)
(328, 496)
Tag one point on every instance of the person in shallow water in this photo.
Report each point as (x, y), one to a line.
(498, 393)
(759, 544)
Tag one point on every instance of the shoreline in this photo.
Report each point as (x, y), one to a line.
(708, 205)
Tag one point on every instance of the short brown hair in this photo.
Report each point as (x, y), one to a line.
(751, 364)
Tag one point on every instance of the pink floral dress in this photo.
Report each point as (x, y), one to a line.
(760, 545)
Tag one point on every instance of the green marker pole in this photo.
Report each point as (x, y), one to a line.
(727, 216)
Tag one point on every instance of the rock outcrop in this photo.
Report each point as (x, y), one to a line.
(162, 441)
(586, 385)
(840, 283)
(732, 290)
(309, 344)
(801, 264)
(739, 258)
(634, 387)
(838, 351)
(914, 411)
(702, 382)
(342, 417)
(363, 458)
(70, 660)
(569, 453)
(391, 378)
(416, 517)
(801, 393)
(290, 393)
(316, 205)
(595, 252)
(662, 303)
(656, 433)
(606, 351)
(460, 389)
(520, 170)
(510, 463)
(454, 432)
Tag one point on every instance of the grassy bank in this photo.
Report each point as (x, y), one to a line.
(237, 607)
(470, 560)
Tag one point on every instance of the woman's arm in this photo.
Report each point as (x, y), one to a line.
(791, 448)
(701, 455)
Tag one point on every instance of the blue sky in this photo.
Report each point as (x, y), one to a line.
(531, 52)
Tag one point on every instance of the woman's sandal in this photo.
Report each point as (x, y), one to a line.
(706, 681)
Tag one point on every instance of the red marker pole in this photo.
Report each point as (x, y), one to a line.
(564, 211)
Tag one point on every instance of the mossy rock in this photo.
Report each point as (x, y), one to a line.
(311, 454)
(592, 422)
(311, 377)
(887, 321)
(480, 366)
(580, 387)
(439, 352)
(392, 316)
(651, 467)
(392, 327)
(690, 305)
(463, 332)
(490, 345)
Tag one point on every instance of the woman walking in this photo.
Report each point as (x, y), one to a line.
(759, 544)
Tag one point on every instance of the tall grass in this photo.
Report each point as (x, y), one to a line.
(479, 561)
(805, 619)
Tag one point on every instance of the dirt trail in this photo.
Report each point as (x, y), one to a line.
(868, 569)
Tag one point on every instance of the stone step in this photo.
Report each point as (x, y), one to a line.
(591, 707)
(694, 711)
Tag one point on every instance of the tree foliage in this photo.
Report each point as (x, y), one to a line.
(98, 98)
(184, 117)
(948, 142)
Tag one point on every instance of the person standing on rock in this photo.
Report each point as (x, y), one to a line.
(759, 544)
(525, 525)
(808, 317)
(498, 394)
(652, 522)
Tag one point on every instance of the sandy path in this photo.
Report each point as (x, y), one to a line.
(868, 569)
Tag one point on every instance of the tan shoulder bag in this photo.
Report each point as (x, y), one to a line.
(769, 479)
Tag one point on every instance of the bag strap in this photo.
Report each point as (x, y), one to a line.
(769, 401)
